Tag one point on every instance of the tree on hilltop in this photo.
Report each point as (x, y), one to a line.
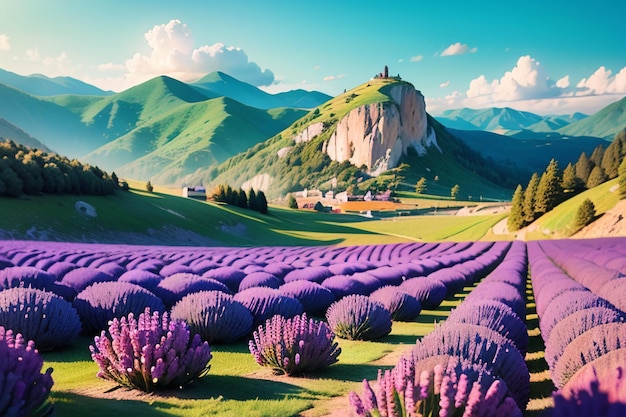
(516, 216)
(585, 214)
(549, 189)
(596, 177)
(528, 207)
(622, 179)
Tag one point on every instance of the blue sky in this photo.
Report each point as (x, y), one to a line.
(549, 57)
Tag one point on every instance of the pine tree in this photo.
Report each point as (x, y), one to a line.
(252, 200)
(421, 186)
(585, 214)
(516, 216)
(583, 168)
(528, 208)
(622, 179)
(454, 192)
(597, 155)
(292, 202)
(242, 199)
(149, 187)
(596, 177)
(261, 202)
(571, 183)
(614, 154)
(548, 191)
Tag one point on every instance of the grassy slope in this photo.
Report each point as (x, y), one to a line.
(140, 217)
(559, 223)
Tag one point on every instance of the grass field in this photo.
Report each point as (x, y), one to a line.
(236, 385)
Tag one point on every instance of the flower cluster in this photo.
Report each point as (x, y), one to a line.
(150, 352)
(456, 389)
(24, 390)
(294, 346)
(357, 317)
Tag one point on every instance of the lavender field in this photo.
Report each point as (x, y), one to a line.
(157, 319)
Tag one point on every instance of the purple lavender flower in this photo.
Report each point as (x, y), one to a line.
(41, 316)
(294, 346)
(25, 276)
(430, 292)
(315, 298)
(150, 352)
(260, 279)
(103, 301)
(24, 390)
(402, 306)
(214, 315)
(357, 317)
(81, 278)
(173, 288)
(265, 302)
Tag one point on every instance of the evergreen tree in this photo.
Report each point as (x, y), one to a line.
(622, 178)
(242, 200)
(454, 192)
(149, 187)
(252, 200)
(421, 186)
(548, 191)
(516, 216)
(614, 154)
(261, 202)
(585, 214)
(596, 177)
(12, 183)
(529, 199)
(583, 168)
(571, 183)
(292, 202)
(597, 155)
(115, 180)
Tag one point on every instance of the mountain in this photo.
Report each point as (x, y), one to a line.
(492, 119)
(359, 138)
(528, 151)
(603, 124)
(218, 84)
(40, 85)
(9, 131)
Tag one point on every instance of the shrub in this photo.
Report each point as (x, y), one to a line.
(265, 302)
(309, 273)
(24, 390)
(81, 278)
(229, 276)
(25, 276)
(100, 303)
(146, 279)
(315, 298)
(357, 317)
(173, 288)
(585, 214)
(402, 306)
(259, 279)
(214, 315)
(343, 285)
(459, 388)
(41, 316)
(430, 292)
(150, 352)
(294, 346)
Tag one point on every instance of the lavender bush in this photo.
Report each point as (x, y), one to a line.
(101, 302)
(41, 316)
(264, 303)
(459, 388)
(150, 352)
(173, 288)
(24, 390)
(430, 292)
(25, 276)
(294, 346)
(315, 298)
(402, 306)
(214, 315)
(357, 317)
(81, 278)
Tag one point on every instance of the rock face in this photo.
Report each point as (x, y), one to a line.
(377, 135)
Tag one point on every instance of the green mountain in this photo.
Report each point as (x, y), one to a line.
(295, 165)
(603, 124)
(40, 85)
(218, 84)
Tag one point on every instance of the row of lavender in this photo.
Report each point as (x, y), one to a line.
(471, 365)
(581, 318)
(51, 292)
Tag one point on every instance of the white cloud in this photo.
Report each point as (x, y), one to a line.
(563, 82)
(173, 53)
(458, 49)
(5, 45)
(401, 60)
(416, 58)
(445, 84)
(601, 82)
(329, 78)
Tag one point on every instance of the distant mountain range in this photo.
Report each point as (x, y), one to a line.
(169, 131)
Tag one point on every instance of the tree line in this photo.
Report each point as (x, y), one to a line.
(545, 192)
(254, 200)
(31, 171)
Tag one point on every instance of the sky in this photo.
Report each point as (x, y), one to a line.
(547, 57)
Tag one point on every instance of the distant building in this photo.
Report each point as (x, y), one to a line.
(198, 192)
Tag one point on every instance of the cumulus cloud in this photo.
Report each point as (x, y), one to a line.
(416, 58)
(5, 45)
(458, 49)
(601, 82)
(173, 53)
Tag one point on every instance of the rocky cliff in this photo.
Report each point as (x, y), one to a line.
(377, 135)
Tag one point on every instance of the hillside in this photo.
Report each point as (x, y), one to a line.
(218, 84)
(300, 157)
(14, 133)
(603, 124)
(40, 85)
